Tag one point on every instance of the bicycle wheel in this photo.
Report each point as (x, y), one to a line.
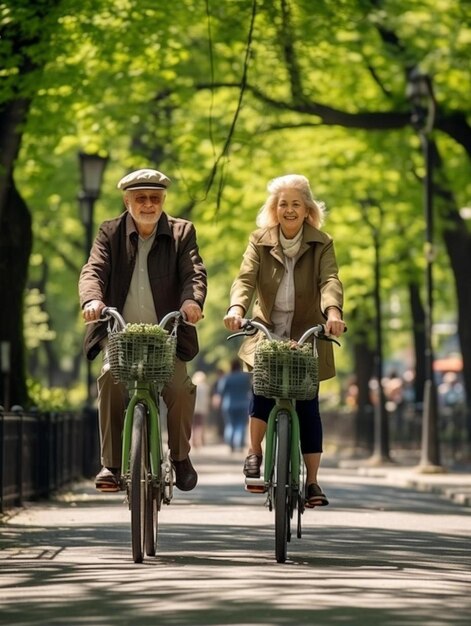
(152, 518)
(139, 469)
(282, 514)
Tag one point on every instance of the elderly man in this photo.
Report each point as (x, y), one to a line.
(145, 263)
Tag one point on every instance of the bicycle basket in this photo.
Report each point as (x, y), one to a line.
(138, 356)
(284, 370)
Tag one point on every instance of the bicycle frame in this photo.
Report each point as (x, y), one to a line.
(270, 443)
(285, 486)
(145, 475)
(142, 393)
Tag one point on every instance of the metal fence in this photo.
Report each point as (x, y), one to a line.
(405, 432)
(41, 452)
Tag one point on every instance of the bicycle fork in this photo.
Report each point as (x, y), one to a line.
(160, 466)
(263, 485)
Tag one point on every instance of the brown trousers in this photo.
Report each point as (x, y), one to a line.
(179, 395)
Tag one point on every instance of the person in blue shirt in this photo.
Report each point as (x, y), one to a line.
(234, 391)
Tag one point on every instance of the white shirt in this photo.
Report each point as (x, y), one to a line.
(283, 308)
(139, 305)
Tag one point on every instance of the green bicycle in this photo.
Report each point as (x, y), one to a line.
(285, 371)
(143, 356)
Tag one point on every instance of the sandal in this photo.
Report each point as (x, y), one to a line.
(252, 465)
(314, 496)
(107, 480)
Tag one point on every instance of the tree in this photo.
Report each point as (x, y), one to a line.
(236, 92)
(24, 29)
(451, 121)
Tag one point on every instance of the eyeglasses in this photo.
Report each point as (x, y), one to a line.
(152, 198)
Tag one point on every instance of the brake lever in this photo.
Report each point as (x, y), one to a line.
(239, 334)
(328, 338)
(333, 341)
(247, 330)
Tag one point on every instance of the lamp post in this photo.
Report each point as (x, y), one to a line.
(420, 95)
(92, 167)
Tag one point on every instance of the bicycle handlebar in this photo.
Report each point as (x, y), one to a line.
(109, 312)
(250, 327)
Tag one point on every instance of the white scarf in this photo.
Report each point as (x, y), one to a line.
(292, 246)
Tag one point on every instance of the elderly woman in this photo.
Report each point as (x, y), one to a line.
(290, 268)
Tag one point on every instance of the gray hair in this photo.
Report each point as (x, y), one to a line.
(267, 215)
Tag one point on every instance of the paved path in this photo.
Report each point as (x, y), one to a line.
(381, 554)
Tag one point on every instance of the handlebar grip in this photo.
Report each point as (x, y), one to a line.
(107, 312)
(245, 329)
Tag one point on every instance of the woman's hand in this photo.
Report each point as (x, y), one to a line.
(92, 310)
(233, 318)
(335, 325)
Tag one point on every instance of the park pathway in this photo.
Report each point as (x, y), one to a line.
(380, 554)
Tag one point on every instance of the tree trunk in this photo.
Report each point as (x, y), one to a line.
(457, 238)
(458, 244)
(364, 419)
(24, 43)
(15, 249)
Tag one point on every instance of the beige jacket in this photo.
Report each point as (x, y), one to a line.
(316, 282)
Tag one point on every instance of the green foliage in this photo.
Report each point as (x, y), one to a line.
(157, 84)
(36, 320)
(47, 398)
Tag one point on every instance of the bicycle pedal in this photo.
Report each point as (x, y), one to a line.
(255, 485)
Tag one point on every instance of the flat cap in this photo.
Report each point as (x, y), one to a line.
(144, 179)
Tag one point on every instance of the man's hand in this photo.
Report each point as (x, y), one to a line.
(92, 310)
(192, 311)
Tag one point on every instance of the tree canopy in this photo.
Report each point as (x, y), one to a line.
(223, 96)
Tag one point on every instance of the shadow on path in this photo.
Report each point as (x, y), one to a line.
(379, 555)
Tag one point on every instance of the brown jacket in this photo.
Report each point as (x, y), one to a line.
(316, 281)
(176, 274)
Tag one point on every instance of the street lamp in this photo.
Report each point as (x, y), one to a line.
(92, 167)
(420, 95)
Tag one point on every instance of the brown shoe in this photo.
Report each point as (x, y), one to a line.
(252, 465)
(107, 479)
(314, 496)
(185, 475)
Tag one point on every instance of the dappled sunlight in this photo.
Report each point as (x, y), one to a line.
(379, 554)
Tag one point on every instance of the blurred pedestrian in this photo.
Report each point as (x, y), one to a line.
(217, 419)
(202, 407)
(351, 395)
(234, 390)
(393, 386)
(451, 391)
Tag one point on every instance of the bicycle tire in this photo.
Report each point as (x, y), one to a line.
(300, 512)
(152, 518)
(282, 512)
(139, 471)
